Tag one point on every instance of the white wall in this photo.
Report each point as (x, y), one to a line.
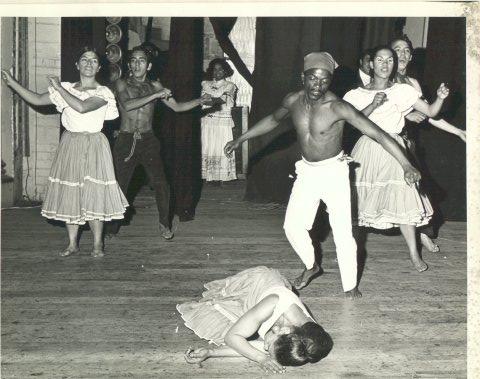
(6, 31)
(416, 29)
(6, 27)
(43, 59)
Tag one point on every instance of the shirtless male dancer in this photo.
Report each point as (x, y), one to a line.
(136, 144)
(319, 116)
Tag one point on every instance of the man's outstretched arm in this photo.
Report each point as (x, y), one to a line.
(262, 127)
(184, 106)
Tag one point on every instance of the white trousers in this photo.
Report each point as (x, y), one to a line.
(327, 180)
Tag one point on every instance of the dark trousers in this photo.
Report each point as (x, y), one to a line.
(147, 154)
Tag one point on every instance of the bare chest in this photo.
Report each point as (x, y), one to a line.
(314, 120)
(136, 90)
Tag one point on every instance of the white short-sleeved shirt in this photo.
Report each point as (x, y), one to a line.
(90, 122)
(365, 78)
(390, 115)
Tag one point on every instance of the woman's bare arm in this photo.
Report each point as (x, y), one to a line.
(81, 106)
(27, 95)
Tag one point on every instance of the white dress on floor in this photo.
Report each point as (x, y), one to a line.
(226, 300)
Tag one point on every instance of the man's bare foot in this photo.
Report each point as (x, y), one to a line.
(306, 277)
(69, 251)
(353, 294)
(420, 265)
(428, 244)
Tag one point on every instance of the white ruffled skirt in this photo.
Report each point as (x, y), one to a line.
(82, 185)
(226, 300)
(383, 198)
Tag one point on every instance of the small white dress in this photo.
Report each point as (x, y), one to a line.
(217, 131)
(226, 300)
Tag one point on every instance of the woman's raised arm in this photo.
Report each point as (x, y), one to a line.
(27, 95)
(81, 106)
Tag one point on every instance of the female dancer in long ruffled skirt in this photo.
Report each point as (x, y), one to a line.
(81, 185)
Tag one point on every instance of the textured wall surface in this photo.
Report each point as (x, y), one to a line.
(44, 126)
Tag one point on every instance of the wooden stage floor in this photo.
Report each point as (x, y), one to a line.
(115, 317)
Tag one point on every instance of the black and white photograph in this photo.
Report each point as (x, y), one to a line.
(245, 190)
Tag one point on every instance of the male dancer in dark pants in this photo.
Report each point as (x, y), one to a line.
(136, 144)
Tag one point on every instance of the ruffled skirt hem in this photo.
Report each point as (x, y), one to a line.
(82, 185)
(383, 198)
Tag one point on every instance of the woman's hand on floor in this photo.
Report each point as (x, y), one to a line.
(268, 364)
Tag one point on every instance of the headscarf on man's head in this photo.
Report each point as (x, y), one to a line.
(321, 60)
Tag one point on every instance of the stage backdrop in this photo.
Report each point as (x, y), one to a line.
(281, 44)
(180, 132)
(443, 153)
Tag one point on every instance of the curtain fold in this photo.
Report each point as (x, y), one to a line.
(445, 154)
(181, 131)
(380, 30)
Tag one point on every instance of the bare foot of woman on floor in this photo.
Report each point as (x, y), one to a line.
(420, 265)
(69, 251)
(428, 244)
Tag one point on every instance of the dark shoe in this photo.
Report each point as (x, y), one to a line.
(186, 215)
(110, 235)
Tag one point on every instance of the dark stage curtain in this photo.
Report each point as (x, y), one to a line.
(77, 32)
(281, 44)
(443, 153)
(378, 31)
(180, 132)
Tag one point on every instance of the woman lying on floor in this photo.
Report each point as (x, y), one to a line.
(259, 301)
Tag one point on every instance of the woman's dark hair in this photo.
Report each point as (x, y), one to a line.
(306, 344)
(403, 38)
(222, 62)
(394, 55)
(87, 49)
